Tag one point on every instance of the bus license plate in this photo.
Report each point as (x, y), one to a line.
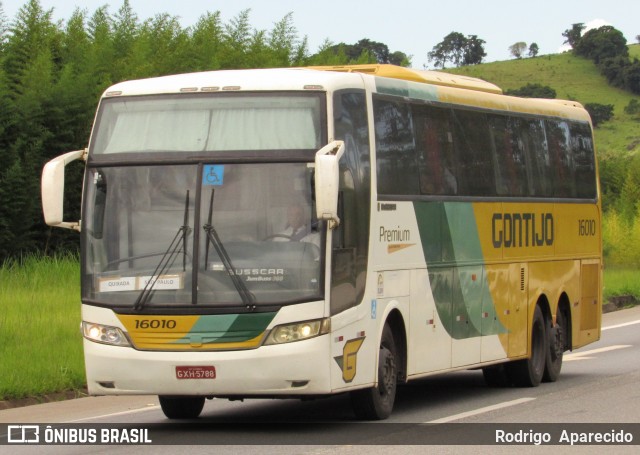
(196, 372)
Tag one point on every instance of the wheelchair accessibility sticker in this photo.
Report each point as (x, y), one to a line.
(213, 175)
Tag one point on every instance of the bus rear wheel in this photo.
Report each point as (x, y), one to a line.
(556, 339)
(529, 372)
(181, 407)
(376, 403)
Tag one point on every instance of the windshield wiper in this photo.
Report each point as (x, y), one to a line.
(247, 297)
(167, 258)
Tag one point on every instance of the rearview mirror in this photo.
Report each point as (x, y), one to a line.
(327, 179)
(52, 188)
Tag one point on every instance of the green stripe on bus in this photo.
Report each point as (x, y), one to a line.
(453, 254)
(408, 89)
(228, 328)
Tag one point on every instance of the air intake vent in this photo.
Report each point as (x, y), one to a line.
(522, 278)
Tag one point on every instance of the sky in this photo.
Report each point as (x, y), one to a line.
(410, 26)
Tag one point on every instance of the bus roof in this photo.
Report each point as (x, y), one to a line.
(428, 85)
(427, 77)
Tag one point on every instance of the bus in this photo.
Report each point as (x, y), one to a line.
(306, 232)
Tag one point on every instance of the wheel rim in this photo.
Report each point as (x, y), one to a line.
(387, 373)
(557, 343)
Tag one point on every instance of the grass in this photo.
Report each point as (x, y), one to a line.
(621, 282)
(40, 342)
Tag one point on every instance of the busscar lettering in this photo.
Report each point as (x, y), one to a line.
(517, 230)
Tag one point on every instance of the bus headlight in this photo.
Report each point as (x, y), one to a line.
(288, 333)
(104, 334)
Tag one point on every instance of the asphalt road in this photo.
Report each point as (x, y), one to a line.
(598, 384)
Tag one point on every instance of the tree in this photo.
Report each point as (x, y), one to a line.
(573, 34)
(632, 77)
(451, 48)
(533, 49)
(284, 44)
(474, 51)
(206, 42)
(237, 38)
(600, 43)
(599, 112)
(633, 107)
(629, 201)
(457, 49)
(364, 51)
(518, 49)
(613, 68)
(533, 91)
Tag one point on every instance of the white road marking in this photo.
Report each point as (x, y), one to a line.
(620, 325)
(584, 355)
(133, 411)
(494, 407)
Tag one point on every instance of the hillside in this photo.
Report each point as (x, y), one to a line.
(572, 78)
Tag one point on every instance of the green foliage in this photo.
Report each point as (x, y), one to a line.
(533, 91)
(459, 50)
(621, 239)
(599, 112)
(633, 107)
(518, 49)
(600, 43)
(573, 34)
(367, 51)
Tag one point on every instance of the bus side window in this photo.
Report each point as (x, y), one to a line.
(473, 147)
(434, 145)
(509, 156)
(583, 159)
(395, 148)
(538, 160)
(561, 158)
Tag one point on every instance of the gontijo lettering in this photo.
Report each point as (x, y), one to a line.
(515, 230)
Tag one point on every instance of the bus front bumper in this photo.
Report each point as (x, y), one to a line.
(291, 369)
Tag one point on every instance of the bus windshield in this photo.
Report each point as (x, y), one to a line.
(201, 235)
(215, 122)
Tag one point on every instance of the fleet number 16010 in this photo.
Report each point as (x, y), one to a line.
(586, 228)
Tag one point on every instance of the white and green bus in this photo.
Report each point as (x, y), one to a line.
(315, 231)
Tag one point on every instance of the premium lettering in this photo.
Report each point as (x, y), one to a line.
(394, 235)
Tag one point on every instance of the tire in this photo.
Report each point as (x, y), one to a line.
(556, 338)
(529, 372)
(181, 407)
(376, 403)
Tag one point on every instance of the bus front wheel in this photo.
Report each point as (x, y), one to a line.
(181, 407)
(376, 403)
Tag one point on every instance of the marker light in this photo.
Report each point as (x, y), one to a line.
(104, 334)
(298, 331)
